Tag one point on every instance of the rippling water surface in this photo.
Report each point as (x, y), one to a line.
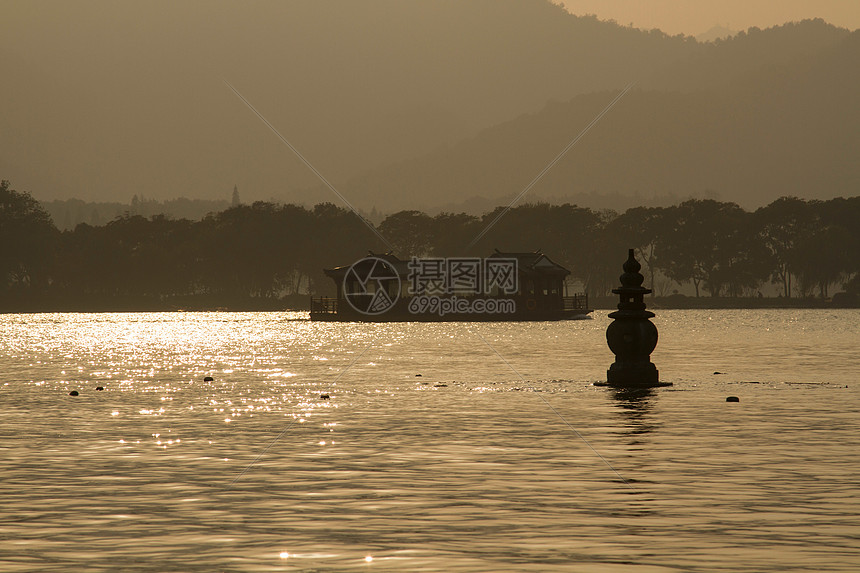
(500, 456)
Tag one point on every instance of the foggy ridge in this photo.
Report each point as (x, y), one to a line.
(791, 128)
(128, 98)
(393, 100)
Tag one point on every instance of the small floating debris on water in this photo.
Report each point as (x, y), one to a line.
(324, 396)
(73, 393)
(716, 373)
(440, 385)
(99, 388)
(208, 379)
(418, 376)
(733, 399)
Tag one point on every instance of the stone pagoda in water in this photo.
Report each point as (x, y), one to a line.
(631, 336)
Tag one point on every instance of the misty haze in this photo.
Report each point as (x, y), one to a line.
(417, 105)
(429, 285)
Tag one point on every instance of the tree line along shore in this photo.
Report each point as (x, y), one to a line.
(700, 253)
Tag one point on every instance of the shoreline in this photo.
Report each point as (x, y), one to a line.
(302, 304)
(676, 302)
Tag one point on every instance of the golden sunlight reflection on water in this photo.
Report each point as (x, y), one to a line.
(427, 452)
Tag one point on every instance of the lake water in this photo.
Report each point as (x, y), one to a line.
(501, 456)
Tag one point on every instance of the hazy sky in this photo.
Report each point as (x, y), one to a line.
(693, 17)
(106, 99)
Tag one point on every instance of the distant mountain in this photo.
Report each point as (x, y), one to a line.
(791, 126)
(406, 102)
(68, 213)
(104, 100)
(716, 33)
(749, 54)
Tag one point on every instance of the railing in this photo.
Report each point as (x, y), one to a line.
(575, 302)
(323, 305)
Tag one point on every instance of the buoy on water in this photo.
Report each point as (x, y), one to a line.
(733, 399)
(73, 393)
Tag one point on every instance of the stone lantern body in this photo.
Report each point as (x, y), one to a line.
(631, 336)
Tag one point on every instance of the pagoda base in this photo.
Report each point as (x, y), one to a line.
(634, 375)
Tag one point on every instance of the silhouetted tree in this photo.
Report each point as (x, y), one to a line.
(603, 252)
(265, 251)
(409, 232)
(339, 237)
(28, 242)
(781, 226)
(452, 233)
(823, 257)
(711, 245)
